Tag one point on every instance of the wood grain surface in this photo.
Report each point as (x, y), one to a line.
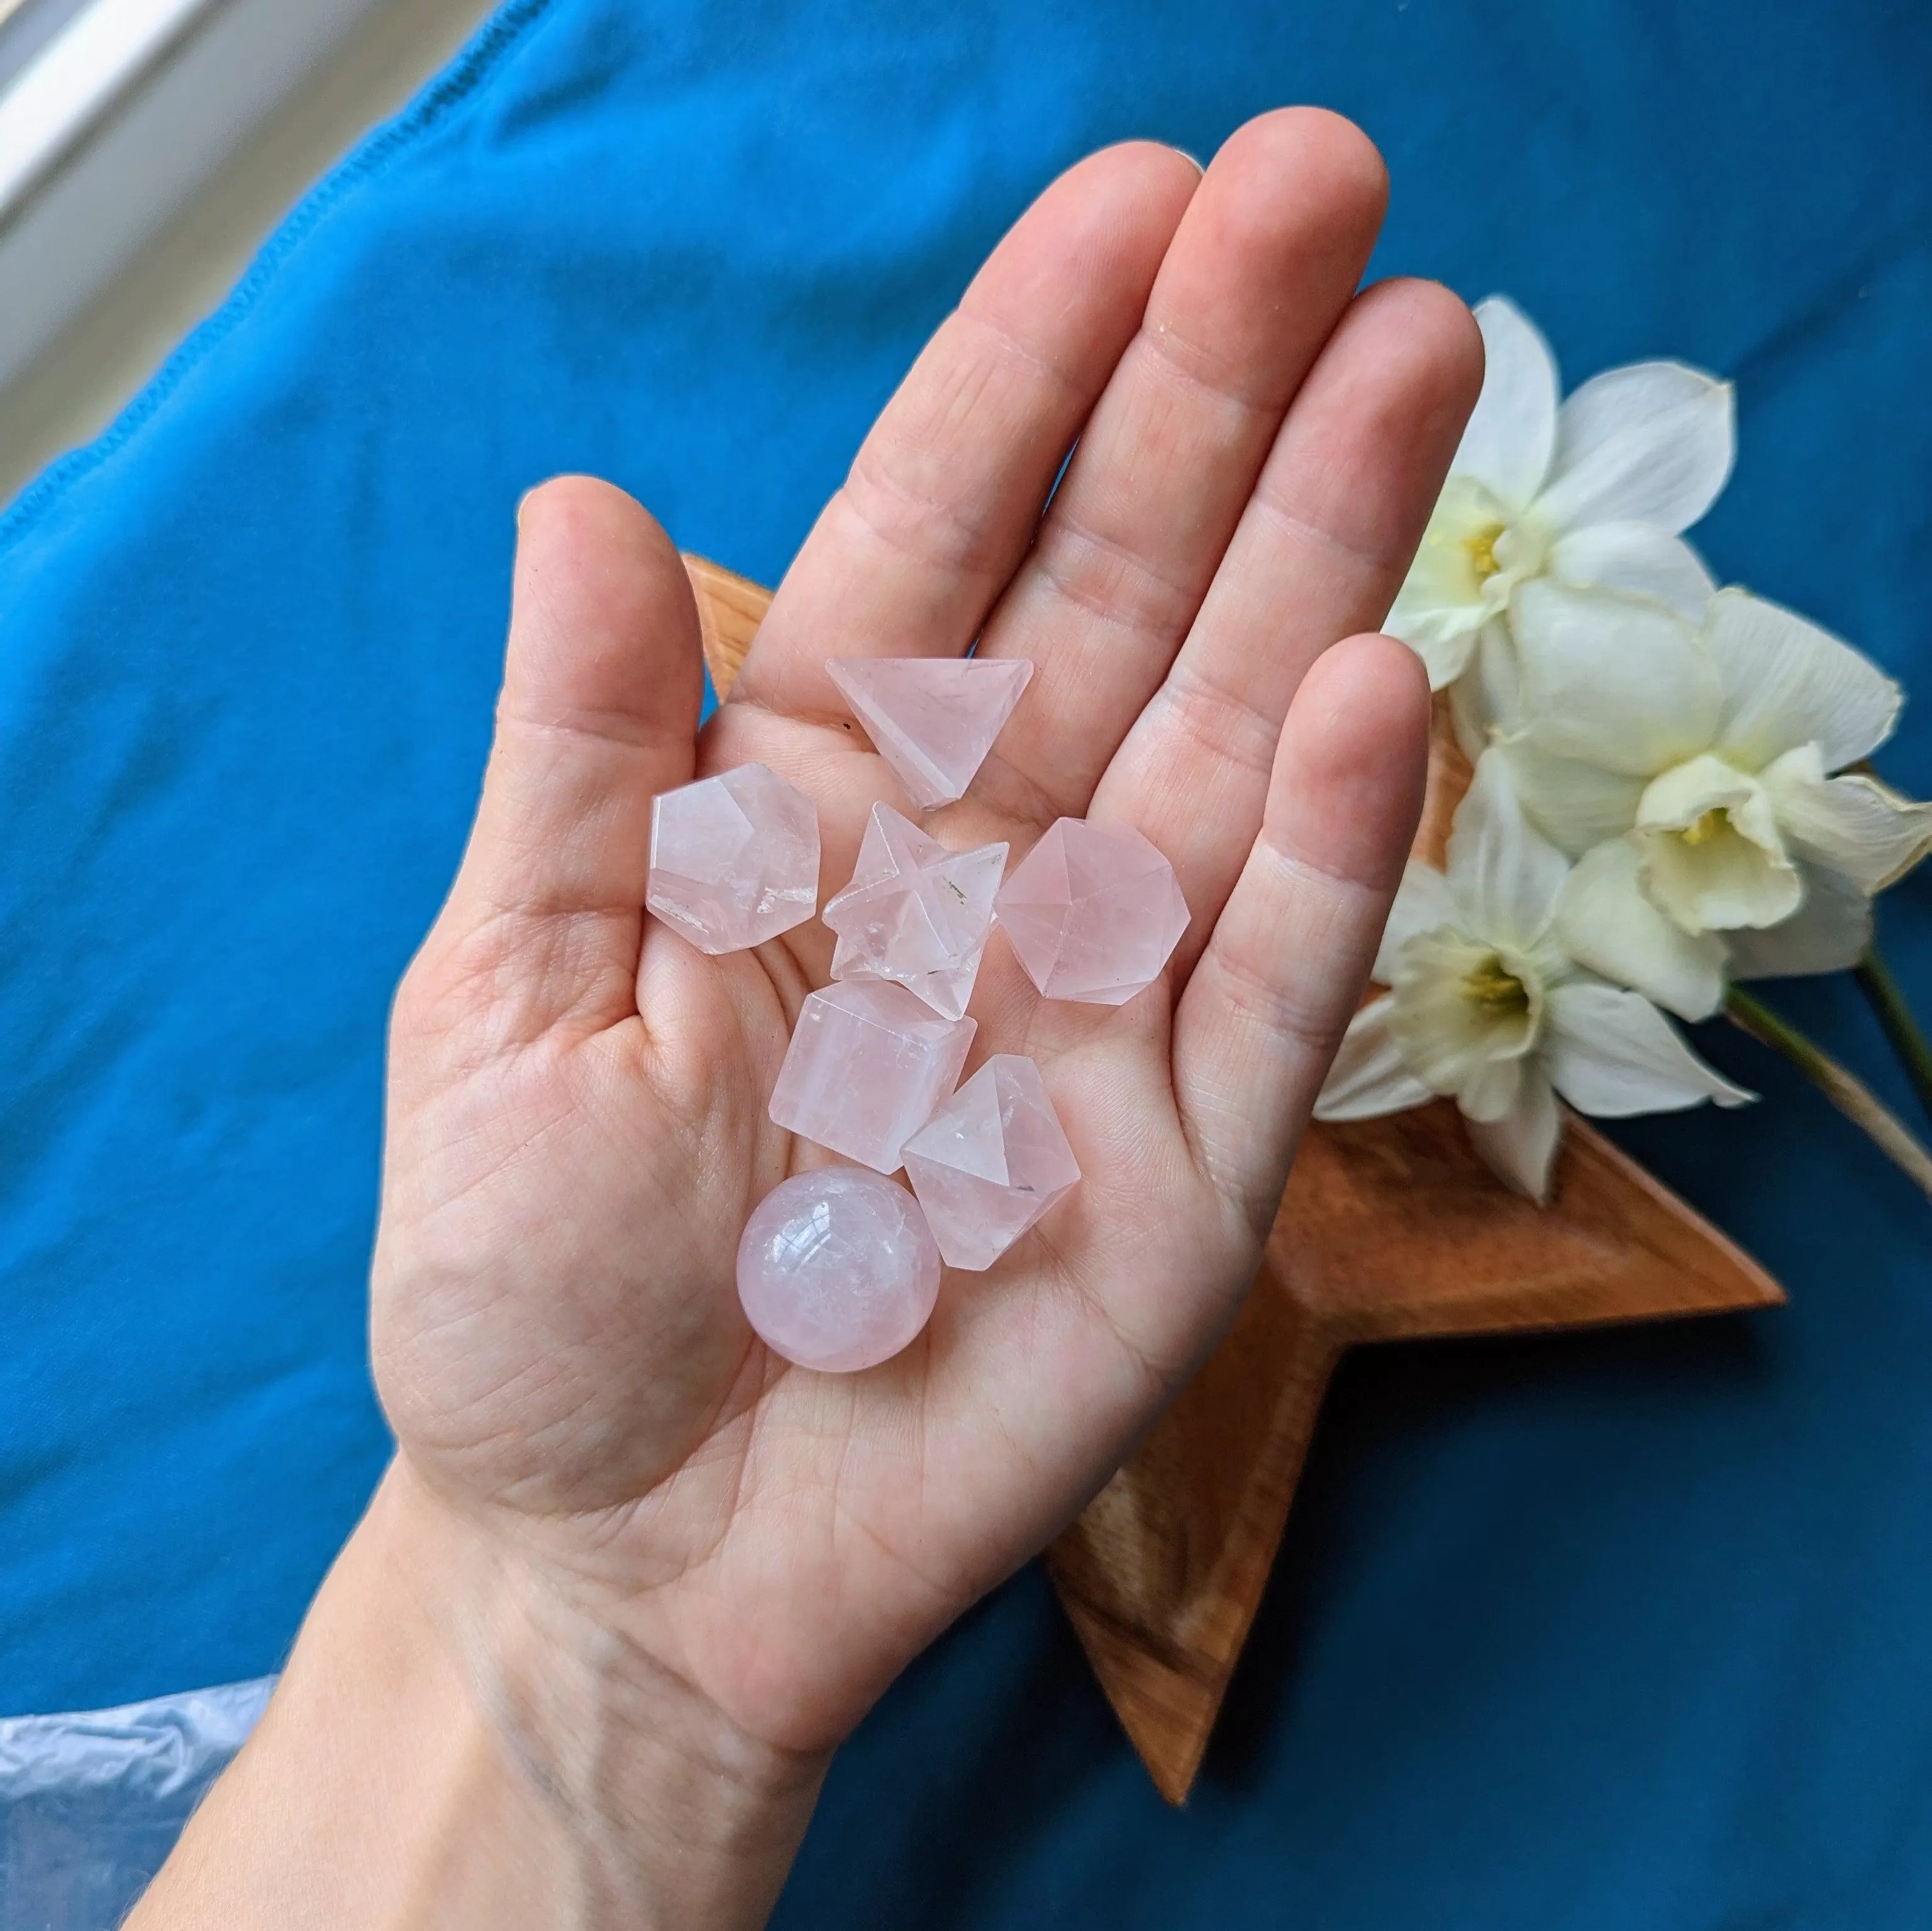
(1390, 1229)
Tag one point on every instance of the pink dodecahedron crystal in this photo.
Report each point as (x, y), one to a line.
(990, 1162)
(837, 1269)
(1094, 911)
(933, 719)
(734, 859)
(867, 1064)
(916, 913)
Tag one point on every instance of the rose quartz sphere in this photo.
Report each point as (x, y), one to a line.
(837, 1269)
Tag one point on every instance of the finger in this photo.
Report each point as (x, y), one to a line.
(601, 689)
(1259, 1020)
(1263, 262)
(1319, 554)
(944, 493)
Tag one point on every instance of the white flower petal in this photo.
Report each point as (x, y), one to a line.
(1520, 1147)
(1613, 1054)
(1512, 430)
(1618, 681)
(1493, 1090)
(1636, 559)
(1368, 1078)
(1575, 804)
(1826, 934)
(1787, 682)
(1461, 1004)
(1605, 921)
(1423, 902)
(1709, 851)
(1483, 701)
(1456, 581)
(1652, 443)
(1503, 873)
(1854, 825)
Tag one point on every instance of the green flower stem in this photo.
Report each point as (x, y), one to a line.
(1851, 1096)
(1900, 1023)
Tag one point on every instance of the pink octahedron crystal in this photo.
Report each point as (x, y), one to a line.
(837, 1269)
(916, 913)
(933, 719)
(867, 1064)
(990, 1162)
(734, 859)
(1094, 911)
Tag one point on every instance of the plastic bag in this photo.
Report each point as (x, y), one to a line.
(91, 1803)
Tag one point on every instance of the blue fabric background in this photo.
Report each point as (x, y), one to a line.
(1590, 1632)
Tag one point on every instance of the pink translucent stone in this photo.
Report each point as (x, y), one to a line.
(867, 1064)
(734, 859)
(933, 719)
(916, 913)
(1094, 911)
(990, 1162)
(837, 1269)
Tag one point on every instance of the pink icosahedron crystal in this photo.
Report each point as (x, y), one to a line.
(933, 719)
(1094, 911)
(990, 1162)
(734, 859)
(867, 1064)
(916, 913)
(837, 1269)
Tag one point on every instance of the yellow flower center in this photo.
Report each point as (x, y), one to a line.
(1712, 824)
(1482, 548)
(1495, 989)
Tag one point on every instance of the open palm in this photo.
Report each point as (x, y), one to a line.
(578, 1122)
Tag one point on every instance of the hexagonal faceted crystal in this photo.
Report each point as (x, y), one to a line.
(867, 1064)
(1094, 911)
(990, 1162)
(916, 913)
(734, 859)
(933, 719)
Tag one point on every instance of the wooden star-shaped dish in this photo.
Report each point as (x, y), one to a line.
(1390, 1230)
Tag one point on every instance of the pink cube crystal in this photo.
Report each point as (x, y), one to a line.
(916, 913)
(867, 1064)
(1094, 911)
(990, 1162)
(837, 1270)
(933, 719)
(734, 859)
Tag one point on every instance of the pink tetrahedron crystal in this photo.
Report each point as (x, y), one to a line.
(837, 1269)
(990, 1162)
(916, 913)
(1094, 911)
(734, 859)
(933, 719)
(867, 1064)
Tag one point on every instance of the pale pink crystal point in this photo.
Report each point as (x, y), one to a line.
(933, 719)
(1094, 911)
(916, 913)
(990, 1162)
(837, 1269)
(734, 859)
(867, 1064)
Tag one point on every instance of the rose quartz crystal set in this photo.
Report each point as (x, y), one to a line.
(839, 1268)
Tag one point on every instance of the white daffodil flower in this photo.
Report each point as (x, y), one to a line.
(1593, 492)
(1486, 1005)
(1689, 773)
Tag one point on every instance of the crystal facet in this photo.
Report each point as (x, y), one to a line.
(933, 719)
(916, 913)
(990, 1162)
(867, 1064)
(1094, 911)
(837, 1269)
(734, 859)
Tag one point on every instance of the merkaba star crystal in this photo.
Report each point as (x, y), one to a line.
(933, 719)
(734, 859)
(990, 1162)
(1094, 911)
(916, 913)
(867, 1064)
